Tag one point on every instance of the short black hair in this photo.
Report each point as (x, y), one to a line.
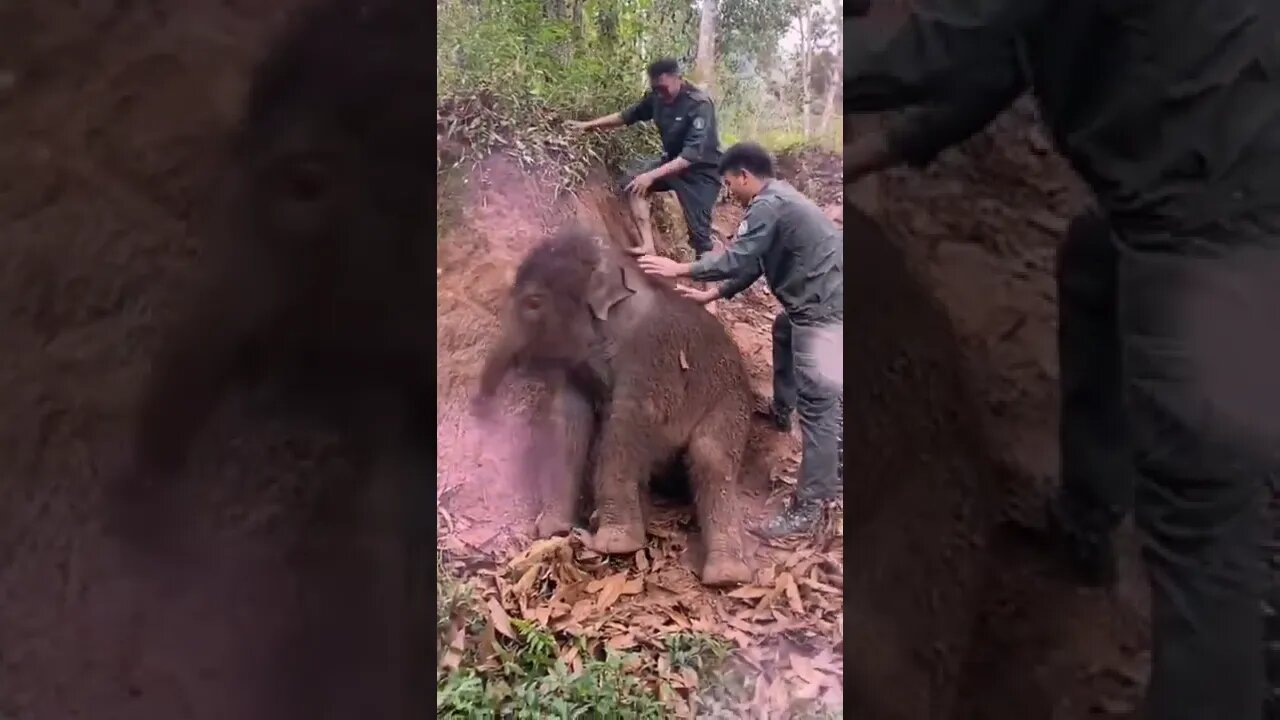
(747, 156)
(663, 66)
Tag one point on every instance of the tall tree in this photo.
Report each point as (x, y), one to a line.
(705, 67)
(834, 47)
(805, 26)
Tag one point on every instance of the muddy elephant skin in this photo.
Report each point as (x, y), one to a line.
(663, 376)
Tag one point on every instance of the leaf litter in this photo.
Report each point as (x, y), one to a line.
(784, 628)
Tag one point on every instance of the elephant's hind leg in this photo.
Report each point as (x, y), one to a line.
(715, 457)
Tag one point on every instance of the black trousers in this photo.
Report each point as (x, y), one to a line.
(1169, 404)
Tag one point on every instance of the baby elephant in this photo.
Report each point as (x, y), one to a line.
(662, 375)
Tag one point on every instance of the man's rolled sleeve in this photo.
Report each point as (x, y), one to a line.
(744, 255)
(940, 38)
(639, 112)
(695, 141)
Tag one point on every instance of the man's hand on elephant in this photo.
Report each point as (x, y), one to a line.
(641, 183)
(702, 297)
(659, 266)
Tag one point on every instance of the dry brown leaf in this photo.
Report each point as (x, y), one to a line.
(501, 621)
(779, 698)
(807, 691)
(762, 607)
(526, 581)
(796, 557)
(451, 660)
(749, 592)
(621, 642)
(635, 586)
(821, 587)
(537, 551)
(679, 620)
(581, 611)
(805, 670)
(833, 698)
(611, 590)
(765, 576)
(741, 625)
(541, 615)
(793, 593)
(642, 561)
(568, 656)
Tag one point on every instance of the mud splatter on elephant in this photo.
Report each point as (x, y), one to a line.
(648, 373)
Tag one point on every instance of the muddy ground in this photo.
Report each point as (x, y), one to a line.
(983, 224)
(111, 118)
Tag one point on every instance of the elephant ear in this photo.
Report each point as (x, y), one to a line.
(611, 283)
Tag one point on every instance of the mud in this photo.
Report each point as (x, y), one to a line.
(113, 127)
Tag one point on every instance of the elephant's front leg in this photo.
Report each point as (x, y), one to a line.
(715, 457)
(562, 484)
(625, 460)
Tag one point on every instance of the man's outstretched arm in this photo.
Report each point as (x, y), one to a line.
(917, 138)
(942, 43)
(606, 122)
(639, 112)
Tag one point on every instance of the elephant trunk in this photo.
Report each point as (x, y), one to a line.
(497, 364)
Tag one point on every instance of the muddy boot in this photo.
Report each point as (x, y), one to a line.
(796, 518)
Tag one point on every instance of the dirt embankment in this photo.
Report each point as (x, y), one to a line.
(982, 228)
(113, 118)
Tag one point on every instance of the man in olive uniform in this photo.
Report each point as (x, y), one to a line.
(800, 252)
(686, 121)
(1171, 112)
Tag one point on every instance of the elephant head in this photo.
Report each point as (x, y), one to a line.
(572, 294)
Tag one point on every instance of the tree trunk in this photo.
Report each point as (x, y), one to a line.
(806, 61)
(834, 75)
(829, 107)
(704, 73)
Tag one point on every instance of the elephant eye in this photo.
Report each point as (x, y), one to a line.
(531, 302)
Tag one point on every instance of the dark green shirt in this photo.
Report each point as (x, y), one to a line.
(799, 250)
(687, 125)
(1170, 109)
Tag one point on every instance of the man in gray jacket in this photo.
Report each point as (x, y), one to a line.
(799, 250)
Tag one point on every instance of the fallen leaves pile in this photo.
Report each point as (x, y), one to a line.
(785, 628)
